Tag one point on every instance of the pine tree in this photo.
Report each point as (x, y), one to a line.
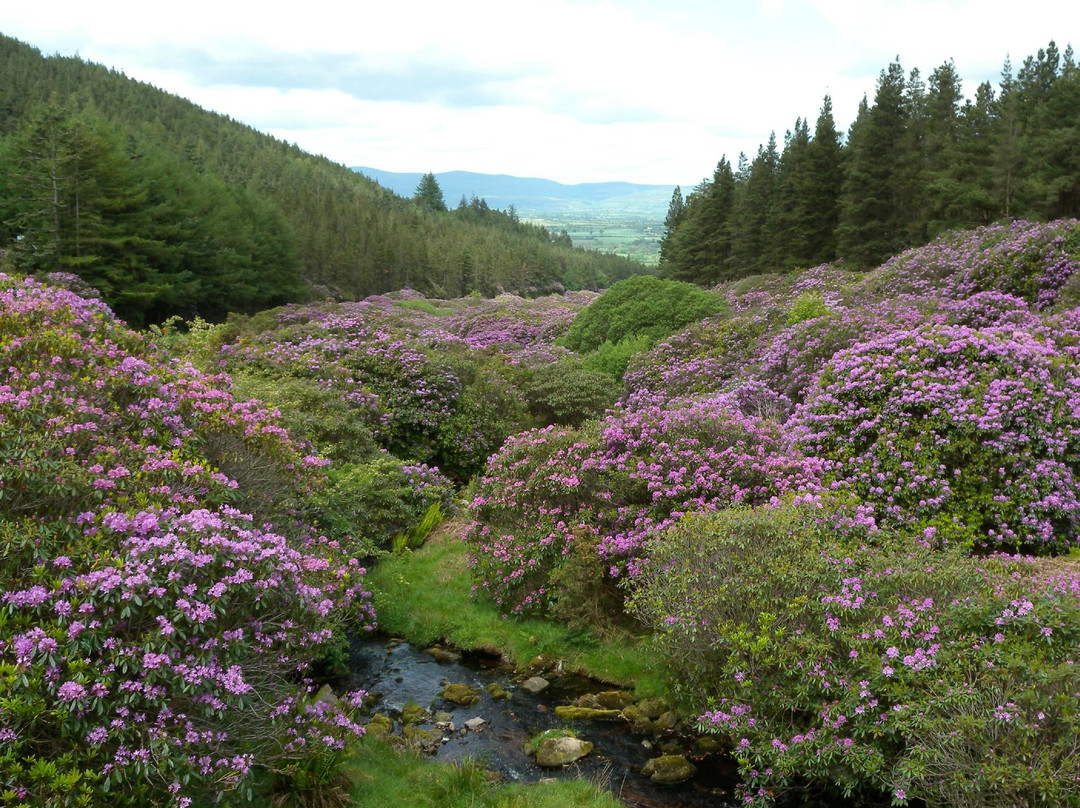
(819, 201)
(676, 212)
(871, 220)
(429, 195)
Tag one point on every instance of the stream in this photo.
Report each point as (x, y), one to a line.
(396, 674)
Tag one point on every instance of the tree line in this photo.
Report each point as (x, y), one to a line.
(918, 161)
(166, 208)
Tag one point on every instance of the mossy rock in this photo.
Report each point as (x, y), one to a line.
(380, 725)
(413, 714)
(614, 699)
(668, 720)
(573, 713)
(427, 740)
(669, 769)
(709, 744)
(544, 663)
(443, 655)
(638, 722)
(653, 708)
(497, 691)
(555, 752)
(460, 694)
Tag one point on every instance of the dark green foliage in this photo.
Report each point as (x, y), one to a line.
(568, 394)
(193, 213)
(640, 306)
(365, 505)
(429, 195)
(917, 162)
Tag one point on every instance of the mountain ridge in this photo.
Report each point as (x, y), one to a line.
(531, 195)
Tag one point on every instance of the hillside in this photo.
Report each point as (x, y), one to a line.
(215, 198)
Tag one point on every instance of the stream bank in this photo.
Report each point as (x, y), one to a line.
(406, 688)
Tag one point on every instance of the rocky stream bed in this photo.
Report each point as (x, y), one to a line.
(455, 705)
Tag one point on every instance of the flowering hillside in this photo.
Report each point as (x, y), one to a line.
(809, 499)
(160, 600)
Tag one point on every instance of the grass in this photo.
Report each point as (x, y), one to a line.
(425, 596)
(383, 776)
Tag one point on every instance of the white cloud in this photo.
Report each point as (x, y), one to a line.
(577, 90)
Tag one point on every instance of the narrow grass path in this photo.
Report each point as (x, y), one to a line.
(425, 596)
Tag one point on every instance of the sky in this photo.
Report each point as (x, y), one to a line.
(648, 91)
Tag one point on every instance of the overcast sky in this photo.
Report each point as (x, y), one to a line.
(651, 91)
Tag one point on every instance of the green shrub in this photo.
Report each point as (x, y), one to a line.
(640, 305)
(612, 359)
(568, 394)
(366, 504)
(808, 306)
(315, 410)
(890, 670)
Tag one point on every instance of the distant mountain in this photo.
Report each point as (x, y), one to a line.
(532, 197)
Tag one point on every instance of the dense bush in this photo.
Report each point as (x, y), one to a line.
(568, 394)
(1031, 261)
(640, 305)
(972, 436)
(614, 484)
(441, 389)
(154, 637)
(364, 505)
(896, 669)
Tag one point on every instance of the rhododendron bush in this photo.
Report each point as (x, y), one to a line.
(889, 668)
(618, 482)
(969, 435)
(154, 637)
(810, 499)
(429, 383)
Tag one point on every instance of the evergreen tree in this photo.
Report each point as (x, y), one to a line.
(788, 242)
(753, 250)
(676, 212)
(700, 249)
(429, 195)
(818, 209)
(871, 220)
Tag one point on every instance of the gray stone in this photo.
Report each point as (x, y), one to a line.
(536, 684)
(555, 752)
(669, 769)
(474, 724)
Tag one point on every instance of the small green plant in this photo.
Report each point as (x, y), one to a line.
(808, 306)
(413, 538)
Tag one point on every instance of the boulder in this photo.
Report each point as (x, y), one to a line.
(653, 708)
(413, 714)
(443, 656)
(555, 752)
(497, 691)
(669, 769)
(535, 684)
(614, 699)
(475, 724)
(544, 663)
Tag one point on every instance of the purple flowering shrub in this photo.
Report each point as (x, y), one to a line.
(429, 388)
(1032, 261)
(154, 638)
(892, 669)
(968, 436)
(614, 484)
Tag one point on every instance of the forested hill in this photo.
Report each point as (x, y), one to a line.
(918, 160)
(168, 208)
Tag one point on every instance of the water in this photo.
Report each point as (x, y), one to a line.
(395, 674)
